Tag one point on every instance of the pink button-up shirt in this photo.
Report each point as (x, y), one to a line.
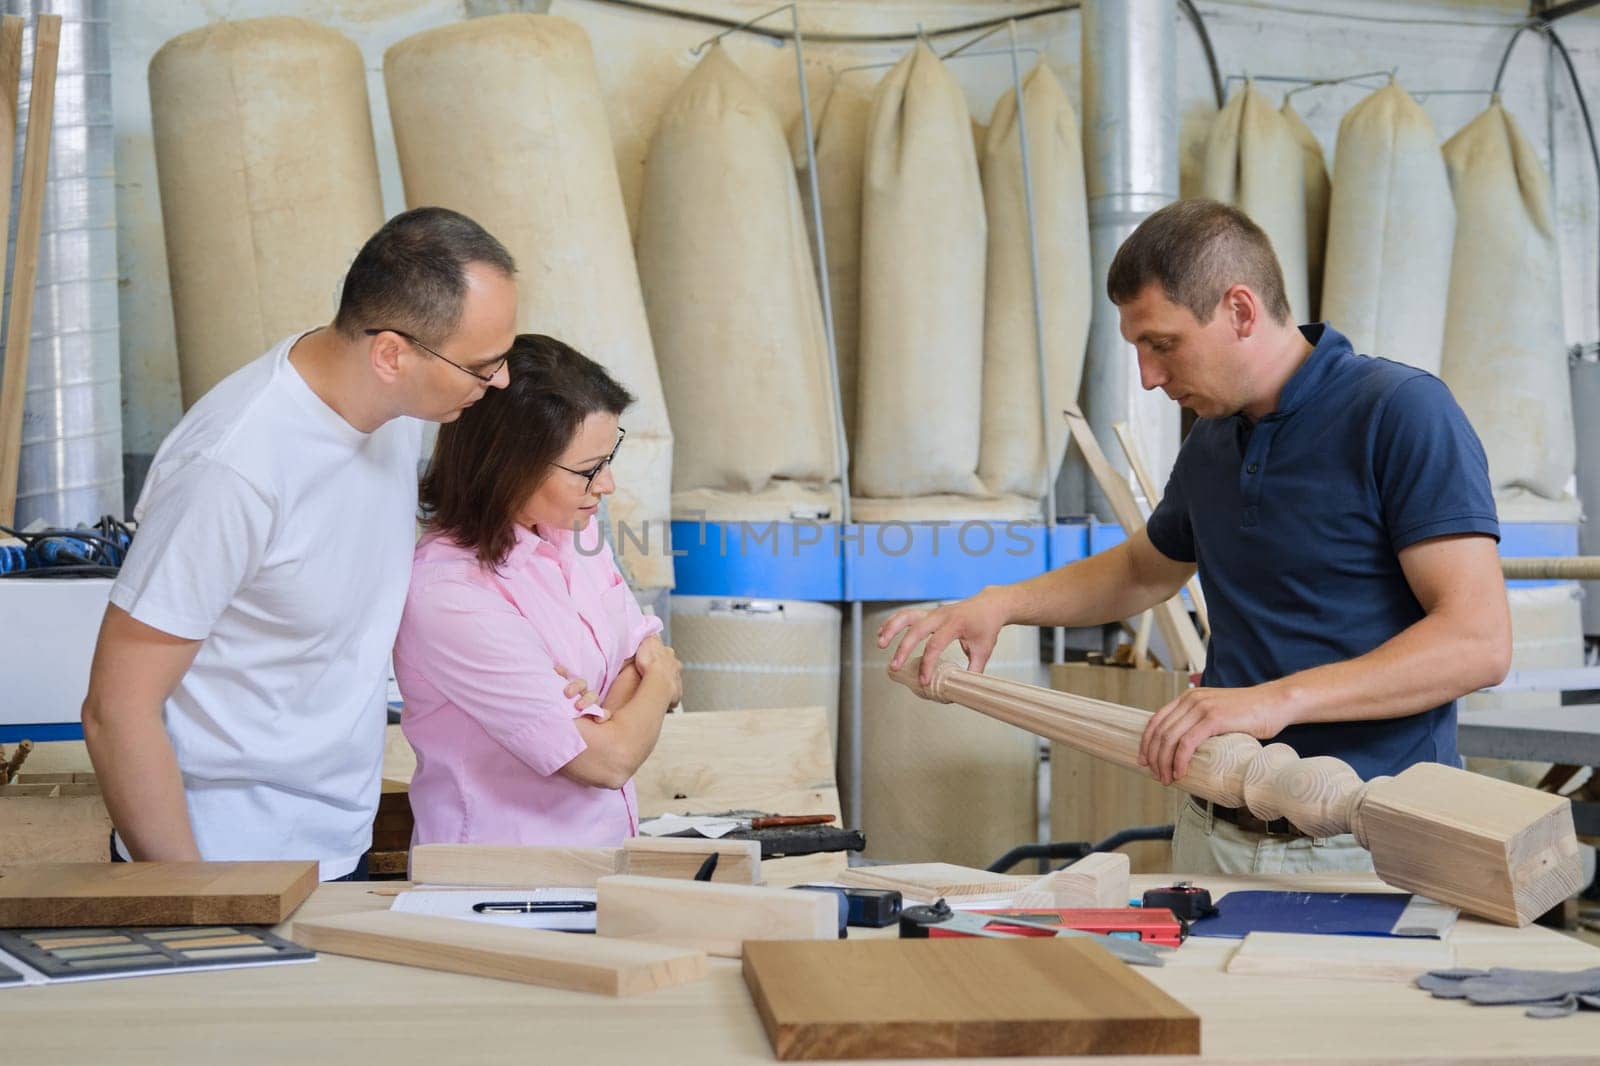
(476, 660)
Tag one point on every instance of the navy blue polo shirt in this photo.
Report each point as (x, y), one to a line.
(1296, 522)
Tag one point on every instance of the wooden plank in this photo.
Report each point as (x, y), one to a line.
(1096, 881)
(1141, 473)
(25, 267)
(52, 895)
(497, 866)
(1183, 642)
(713, 918)
(778, 760)
(738, 861)
(928, 881)
(1091, 798)
(534, 956)
(878, 999)
(1359, 958)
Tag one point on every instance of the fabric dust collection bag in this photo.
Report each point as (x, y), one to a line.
(543, 180)
(840, 146)
(269, 184)
(1013, 458)
(1391, 226)
(1255, 162)
(733, 305)
(923, 247)
(1505, 353)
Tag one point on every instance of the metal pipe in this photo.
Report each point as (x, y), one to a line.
(1130, 130)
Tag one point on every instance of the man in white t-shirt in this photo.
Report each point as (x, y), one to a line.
(236, 704)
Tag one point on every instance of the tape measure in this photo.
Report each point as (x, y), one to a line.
(1184, 899)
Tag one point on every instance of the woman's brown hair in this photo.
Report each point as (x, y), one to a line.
(490, 460)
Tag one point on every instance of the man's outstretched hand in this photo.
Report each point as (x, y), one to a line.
(975, 623)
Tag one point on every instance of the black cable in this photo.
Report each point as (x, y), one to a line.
(839, 38)
(59, 571)
(1505, 57)
(1193, 13)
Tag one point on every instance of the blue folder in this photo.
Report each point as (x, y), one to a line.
(1343, 913)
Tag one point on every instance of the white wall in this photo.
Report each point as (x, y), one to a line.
(1434, 44)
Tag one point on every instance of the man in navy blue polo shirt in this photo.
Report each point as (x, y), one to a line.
(1339, 510)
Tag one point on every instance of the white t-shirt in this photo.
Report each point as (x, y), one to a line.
(281, 537)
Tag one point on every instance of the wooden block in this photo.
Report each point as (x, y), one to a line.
(1091, 798)
(928, 881)
(1361, 958)
(959, 997)
(51, 895)
(495, 866)
(534, 956)
(738, 861)
(1492, 848)
(778, 760)
(713, 918)
(1096, 881)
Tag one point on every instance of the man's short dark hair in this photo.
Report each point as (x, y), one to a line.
(411, 275)
(490, 460)
(1197, 250)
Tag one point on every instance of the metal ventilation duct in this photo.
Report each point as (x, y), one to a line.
(71, 462)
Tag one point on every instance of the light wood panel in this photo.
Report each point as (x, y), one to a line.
(1152, 493)
(1091, 798)
(713, 918)
(505, 866)
(1308, 956)
(928, 881)
(534, 956)
(959, 997)
(1095, 881)
(778, 761)
(50, 895)
(1177, 630)
(738, 861)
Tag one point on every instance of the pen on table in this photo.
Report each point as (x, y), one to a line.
(534, 906)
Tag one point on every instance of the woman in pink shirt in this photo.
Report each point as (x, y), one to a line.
(514, 596)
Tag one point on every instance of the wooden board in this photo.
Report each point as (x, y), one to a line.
(25, 264)
(1183, 640)
(738, 861)
(495, 866)
(1361, 958)
(879, 999)
(52, 895)
(534, 956)
(1096, 881)
(713, 918)
(1090, 798)
(779, 761)
(1152, 495)
(928, 881)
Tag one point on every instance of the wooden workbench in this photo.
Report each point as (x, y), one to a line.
(357, 1012)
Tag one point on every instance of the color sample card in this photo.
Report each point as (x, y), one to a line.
(79, 954)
